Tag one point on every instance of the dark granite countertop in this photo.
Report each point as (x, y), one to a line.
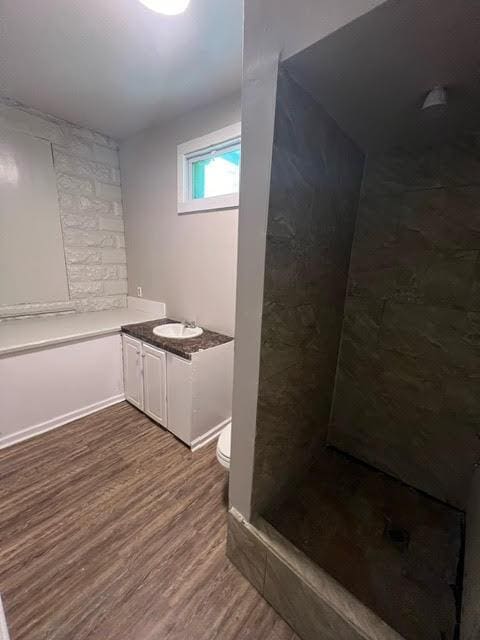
(183, 348)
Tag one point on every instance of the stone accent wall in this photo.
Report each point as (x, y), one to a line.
(90, 202)
(314, 191)
(407, 397)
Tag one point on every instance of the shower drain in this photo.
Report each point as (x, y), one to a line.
(397, 536)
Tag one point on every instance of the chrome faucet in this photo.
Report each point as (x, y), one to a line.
(189, 324)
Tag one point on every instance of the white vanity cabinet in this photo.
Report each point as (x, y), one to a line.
(191, 398)
(180, 396)
(155, 383)
(132, 370)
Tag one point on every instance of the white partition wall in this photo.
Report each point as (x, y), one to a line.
(45, 388)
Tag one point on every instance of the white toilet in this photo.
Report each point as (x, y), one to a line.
(223, 446)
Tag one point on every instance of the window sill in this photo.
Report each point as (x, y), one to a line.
(215, 203)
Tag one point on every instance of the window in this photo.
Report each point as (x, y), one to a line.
(209, 171)
(215, 172)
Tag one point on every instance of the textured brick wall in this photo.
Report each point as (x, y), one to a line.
(90, 204)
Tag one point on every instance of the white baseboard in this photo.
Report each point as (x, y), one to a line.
(58, 421)
(4, 635)
(210, 435)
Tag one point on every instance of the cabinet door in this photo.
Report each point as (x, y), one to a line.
(155, 383)
(179, 397)
(132, 370)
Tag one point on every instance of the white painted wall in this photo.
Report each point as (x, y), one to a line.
(32, 262)
(45, 388)
(285, 28)
(187, 261)
(272, 30)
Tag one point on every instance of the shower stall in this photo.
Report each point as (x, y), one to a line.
(365, 491)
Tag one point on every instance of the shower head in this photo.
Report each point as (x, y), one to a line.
(436, 97)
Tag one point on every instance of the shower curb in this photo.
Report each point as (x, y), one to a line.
(304, 595)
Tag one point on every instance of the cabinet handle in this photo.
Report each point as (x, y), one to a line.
(143, 355)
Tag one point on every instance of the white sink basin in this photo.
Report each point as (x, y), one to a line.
(177, 331)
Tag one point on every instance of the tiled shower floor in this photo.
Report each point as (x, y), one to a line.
(396, 549)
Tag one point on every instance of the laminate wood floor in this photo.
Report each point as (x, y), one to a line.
(112, 529)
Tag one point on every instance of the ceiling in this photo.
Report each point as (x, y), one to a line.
(115, 66)
(373, 75)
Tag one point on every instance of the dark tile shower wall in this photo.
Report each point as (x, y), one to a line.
(315, 183)
(407, 398)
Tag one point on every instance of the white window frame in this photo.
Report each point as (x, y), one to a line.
(197, 148)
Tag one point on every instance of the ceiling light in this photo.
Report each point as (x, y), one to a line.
(168, 7)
